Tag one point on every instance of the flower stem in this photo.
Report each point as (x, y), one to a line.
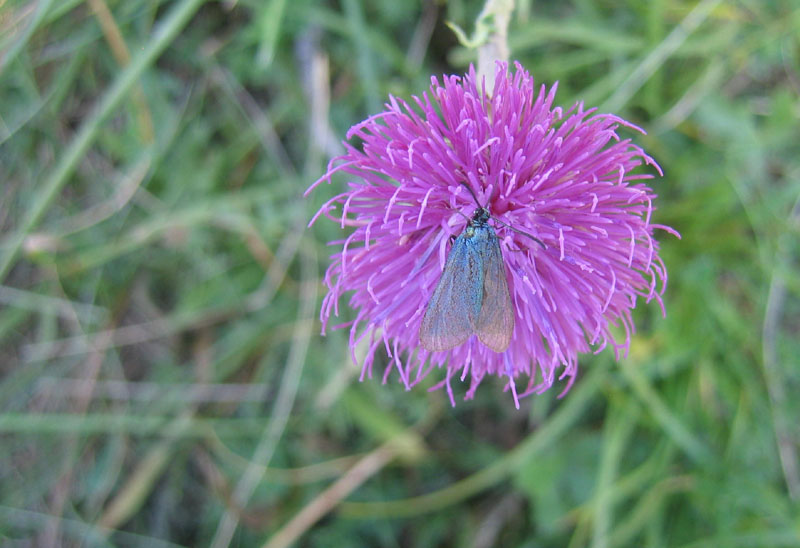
(495, 48)
(490, 38)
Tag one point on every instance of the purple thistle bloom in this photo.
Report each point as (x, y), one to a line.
(564, 178)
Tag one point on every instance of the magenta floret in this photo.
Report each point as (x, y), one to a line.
(565, 178)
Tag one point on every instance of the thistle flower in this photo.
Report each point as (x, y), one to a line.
(564, 178)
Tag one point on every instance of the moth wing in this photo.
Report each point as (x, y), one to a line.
(453, 310)
(496, 320)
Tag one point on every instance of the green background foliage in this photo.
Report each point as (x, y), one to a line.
(162, 377)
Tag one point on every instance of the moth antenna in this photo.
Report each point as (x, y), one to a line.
(534, 238)
(472, 192)
(474, 197)
(459, 212)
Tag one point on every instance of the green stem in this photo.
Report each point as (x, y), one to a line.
(13, 51)
(163, 36)
(570, 411)
(496, 46)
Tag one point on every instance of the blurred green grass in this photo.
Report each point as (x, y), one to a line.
(162, 380)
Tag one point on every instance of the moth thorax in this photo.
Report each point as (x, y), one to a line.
(480, 217)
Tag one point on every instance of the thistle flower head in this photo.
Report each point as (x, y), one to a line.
(565, 178)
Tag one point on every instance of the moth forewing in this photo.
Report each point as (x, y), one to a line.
(472, 294)
(454, 308)
(496, 320)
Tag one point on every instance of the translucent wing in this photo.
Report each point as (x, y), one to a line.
(454, 308)
(496, 320)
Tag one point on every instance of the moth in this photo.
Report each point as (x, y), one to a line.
(472, 295)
